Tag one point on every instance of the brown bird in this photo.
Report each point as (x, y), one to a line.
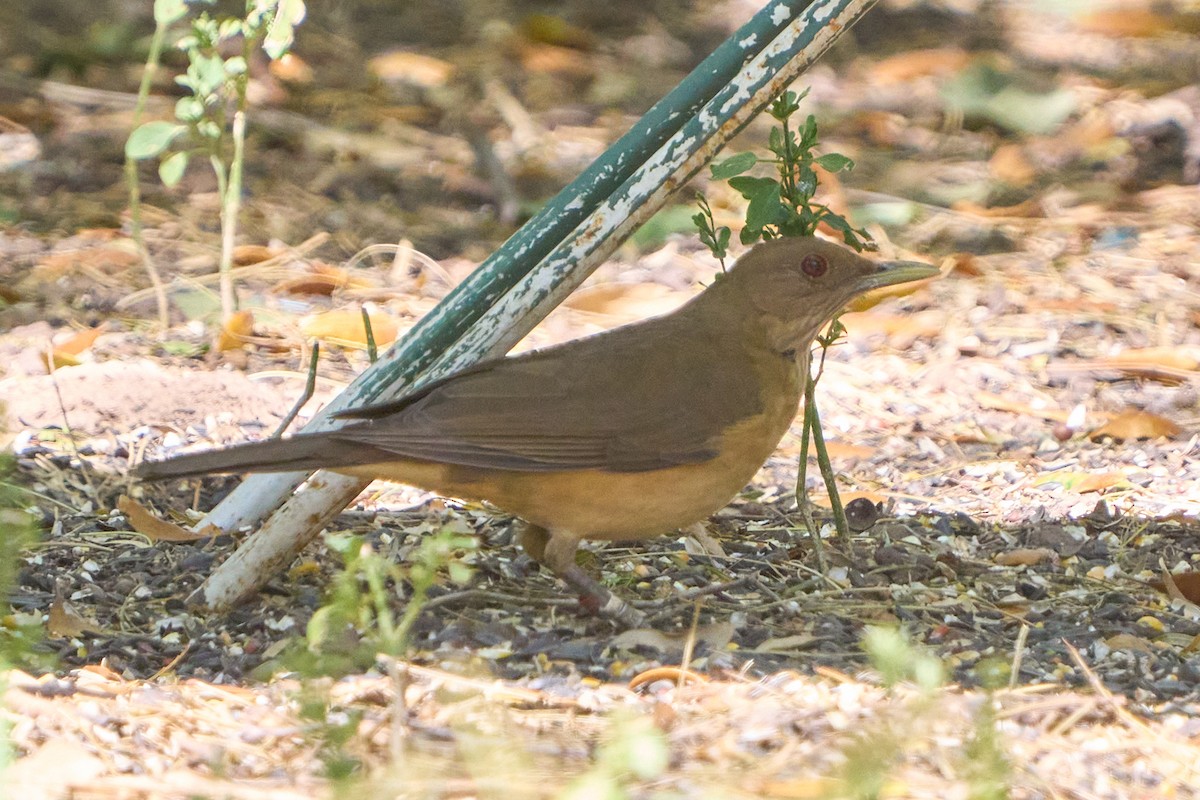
(624, 435)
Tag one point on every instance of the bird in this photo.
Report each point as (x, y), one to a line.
(622, 435)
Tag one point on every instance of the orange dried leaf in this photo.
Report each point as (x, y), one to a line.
(291, 68)
(1024, 557)
(150, 526)
(345, 327)
(65, 623)
(1134, 424)
(1182, 586)
(415, 69)
(1184, 357)
(80, 341)
(919, 63)
(234, 332)
(1134, 22)
(1010, 165)
(626, 301)
(247, 254)
(1084, 482)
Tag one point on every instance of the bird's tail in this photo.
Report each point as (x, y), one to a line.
(296, 453)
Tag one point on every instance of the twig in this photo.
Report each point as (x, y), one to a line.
(310, 388)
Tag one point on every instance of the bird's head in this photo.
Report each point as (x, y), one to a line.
(794, 286)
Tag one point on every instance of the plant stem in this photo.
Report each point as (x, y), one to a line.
(131, 177)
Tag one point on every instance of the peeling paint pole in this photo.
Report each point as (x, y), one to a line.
(499, 303)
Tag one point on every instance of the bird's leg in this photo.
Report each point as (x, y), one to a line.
(556, 551)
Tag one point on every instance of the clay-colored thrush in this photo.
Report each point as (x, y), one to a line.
(623, 435)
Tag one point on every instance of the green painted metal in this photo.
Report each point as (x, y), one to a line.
(553, 252)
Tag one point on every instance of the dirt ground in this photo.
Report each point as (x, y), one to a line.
(1028, 424)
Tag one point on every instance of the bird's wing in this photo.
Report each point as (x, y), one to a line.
(651, 398)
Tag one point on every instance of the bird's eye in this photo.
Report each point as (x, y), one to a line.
(814, 265)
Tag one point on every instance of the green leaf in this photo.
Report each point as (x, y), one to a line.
(171, 170)
(733, 166)
(282, 31)
(235, 66)
(188, 109)
(151, 138)
(207, 73)
(749, 187)
(835, 162)
(167, 12)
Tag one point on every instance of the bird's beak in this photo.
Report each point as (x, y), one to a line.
(890, 273)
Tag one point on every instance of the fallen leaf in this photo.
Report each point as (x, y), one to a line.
(81, 340)
(716, 636)
(65, 623)
(1133, 22)
(247, 254)
(1134, 424)
(291, 68)
(919, 63)
(1024, 557)
(1181, 586)
(999, 402)
(345, 327)
(234, 331)
(1010, 165)
(415, 69)
(150, 526)
(1084, 482)
(1185, 358)
(626, 302)
(672, 674)
(1127, 641)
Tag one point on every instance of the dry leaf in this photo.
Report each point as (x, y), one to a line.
(716, 636)
(150, 526)
(1185, 358)
(1024, 210)
(247, 254)
(1134, 22)
(291, 68)
(400, 66)
(838, 450)
(1134, 424)
(552, 59)
(1010, 165)
(1024, 557)
(672, 674)
(1001, 403)
(65, 623)
(1127, 641)
(626, 302)
(1084, 482)
(900, 329)
(1183, 586)
(234, 332)
(345, 327)
(80, 340)
(919, 63)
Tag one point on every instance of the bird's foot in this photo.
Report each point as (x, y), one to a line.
(598, 600)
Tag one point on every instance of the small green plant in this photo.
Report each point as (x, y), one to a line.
(18, 531)
(781, 205)
(18, 632)
(357, 622)
(634, 749)
(210, 120)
